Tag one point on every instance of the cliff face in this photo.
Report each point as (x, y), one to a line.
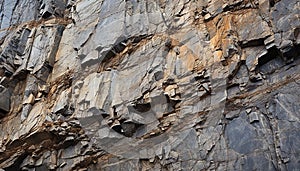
(149, 85)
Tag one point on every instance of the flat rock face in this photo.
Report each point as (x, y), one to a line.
(149, 85)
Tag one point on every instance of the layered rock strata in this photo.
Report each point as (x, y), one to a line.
(149, 85)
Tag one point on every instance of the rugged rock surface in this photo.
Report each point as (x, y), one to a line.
(149, 85)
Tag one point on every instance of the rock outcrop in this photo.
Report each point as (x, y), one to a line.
(149, 85)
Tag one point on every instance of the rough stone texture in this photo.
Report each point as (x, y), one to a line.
(149, 85)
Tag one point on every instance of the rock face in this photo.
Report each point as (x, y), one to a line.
(149, 85)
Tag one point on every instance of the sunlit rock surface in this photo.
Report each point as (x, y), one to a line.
(149, 85)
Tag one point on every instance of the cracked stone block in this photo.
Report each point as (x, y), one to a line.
(52, 7)
(5, 100)
(253, 117)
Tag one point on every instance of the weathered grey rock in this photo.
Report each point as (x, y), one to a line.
(44, 48)
(285, 21)
(14, 12)
(5, 101)
(253, 117)
(63, 102)
(149, 85)
(52, 7)
(248, 34)
(241, 140)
